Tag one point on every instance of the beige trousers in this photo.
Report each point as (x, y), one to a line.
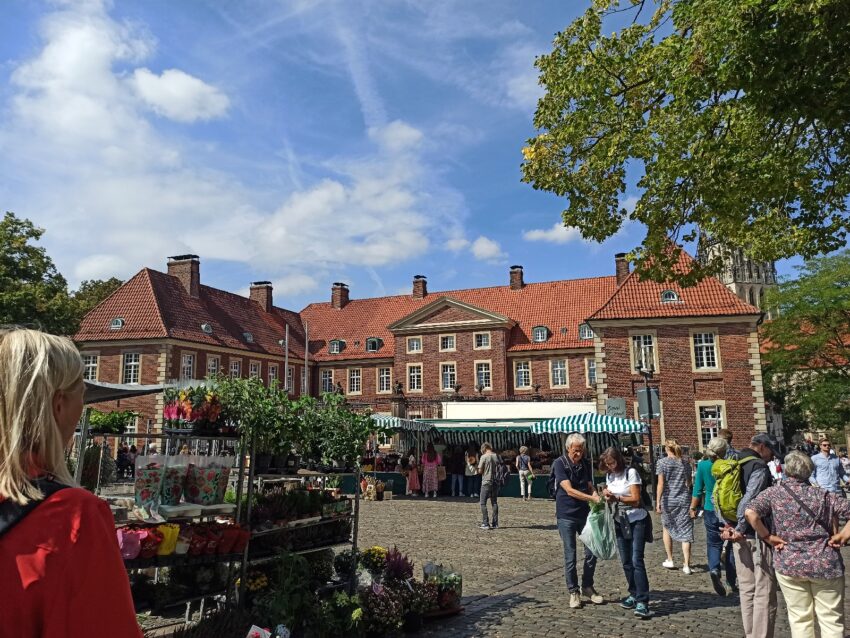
(810, 597)
(754, 562)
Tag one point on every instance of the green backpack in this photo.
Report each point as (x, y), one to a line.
(728, 489)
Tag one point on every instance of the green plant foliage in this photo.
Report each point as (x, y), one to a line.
(341, 615)
(807, 345)
(344, 432)
(116, 421)
(289, 601)
(733, 115)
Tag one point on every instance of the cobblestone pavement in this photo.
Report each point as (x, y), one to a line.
(513, 577)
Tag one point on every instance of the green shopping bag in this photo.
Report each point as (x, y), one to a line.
(598, 533)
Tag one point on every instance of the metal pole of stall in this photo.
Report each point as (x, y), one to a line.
(244, 568)
(84, 436)
(352, 579)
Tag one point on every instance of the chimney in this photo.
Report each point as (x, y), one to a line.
(261, 292)
(339, 295)
(622, 267)
(517, 282)
(187, 268)
(420, 286)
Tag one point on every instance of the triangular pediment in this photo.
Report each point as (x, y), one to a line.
(445, 313)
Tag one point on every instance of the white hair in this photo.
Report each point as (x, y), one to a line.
(576, 439)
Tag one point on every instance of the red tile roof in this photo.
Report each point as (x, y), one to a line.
(636, 299)
(155, 305)
(554, 304)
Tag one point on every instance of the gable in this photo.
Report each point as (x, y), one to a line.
(449, 313)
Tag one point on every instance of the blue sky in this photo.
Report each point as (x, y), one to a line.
(304, 142)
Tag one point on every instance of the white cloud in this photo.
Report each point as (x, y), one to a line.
(457, 244)
(486, 249)
(179, 96)
(91, 165)
(557, 234)
(294, 284)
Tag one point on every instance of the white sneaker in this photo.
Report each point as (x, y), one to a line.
(595, 598)
(575, 600)
(669, 564)
(687, 570)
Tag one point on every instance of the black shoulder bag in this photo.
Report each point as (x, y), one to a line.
(11, 513)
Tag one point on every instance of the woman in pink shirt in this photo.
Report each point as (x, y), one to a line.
(430, 461)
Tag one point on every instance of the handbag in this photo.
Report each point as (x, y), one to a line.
(441, 472)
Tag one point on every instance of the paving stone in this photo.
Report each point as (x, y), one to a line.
(513, 577)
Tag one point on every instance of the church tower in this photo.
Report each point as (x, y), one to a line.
(747, 278)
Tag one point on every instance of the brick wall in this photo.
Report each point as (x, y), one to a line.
(680, 387)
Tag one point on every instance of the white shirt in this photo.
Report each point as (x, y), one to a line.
(620, 485)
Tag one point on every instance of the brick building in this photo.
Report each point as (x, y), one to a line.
(560, 340)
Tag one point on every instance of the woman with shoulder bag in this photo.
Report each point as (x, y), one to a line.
(58, 549)
(633, 527)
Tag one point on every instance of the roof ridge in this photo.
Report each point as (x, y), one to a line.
(449, 292)
(114, 292)
(147, 271)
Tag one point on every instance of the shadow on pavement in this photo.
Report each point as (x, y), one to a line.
(480, 616)
(668, 602)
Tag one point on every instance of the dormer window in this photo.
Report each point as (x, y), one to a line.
(669, 296)
(539, 334)
(336, 346)
(249, 338)
(206, 328)
(584, 331)
(116, 324)
(373, 344)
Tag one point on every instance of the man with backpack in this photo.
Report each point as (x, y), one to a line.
(738, 482)
(571, 480)
(491, 469)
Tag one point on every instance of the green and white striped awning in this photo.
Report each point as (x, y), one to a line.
(398, 424)
(588, 422)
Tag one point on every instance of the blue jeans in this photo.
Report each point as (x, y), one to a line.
(631, 555)
(457, 484)
(568, 528)
(473, 484)
(714, 547)
(489, 491)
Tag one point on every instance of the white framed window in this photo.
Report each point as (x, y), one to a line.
(303, 380)
(327, 379)
(643, 351)
(483, 375)
(539, 334)
(213, 365)
(254, 369)
(336, 346)
(669, 296)
(414, 377)
(272, 373)
(590, 369)
(585, 331)
(132, 367)
(290, 375)
(522, 374)
(447, 343)
(710, 419)
(481, 340)
(90, 367)
(558, 373)
(235, 368)
(355, 385)
(373, 344)
(448, 376)
(705, 351)
(385, 380)
(414, 345)
(187, 366)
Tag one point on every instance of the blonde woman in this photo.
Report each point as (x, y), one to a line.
(673, 502)
(58, 550)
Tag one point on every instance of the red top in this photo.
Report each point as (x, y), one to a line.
(61, 574)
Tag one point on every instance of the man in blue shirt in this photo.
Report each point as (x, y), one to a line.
(828, 469)
(573, 492)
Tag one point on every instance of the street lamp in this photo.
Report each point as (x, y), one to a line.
(645, 367)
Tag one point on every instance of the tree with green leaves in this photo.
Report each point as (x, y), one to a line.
(32, 292)
(807, 344)
(91, 292)
(727, 117)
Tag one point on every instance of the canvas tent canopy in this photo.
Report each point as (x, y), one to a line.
(589, 422)
(97, 391)
(401, 425)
